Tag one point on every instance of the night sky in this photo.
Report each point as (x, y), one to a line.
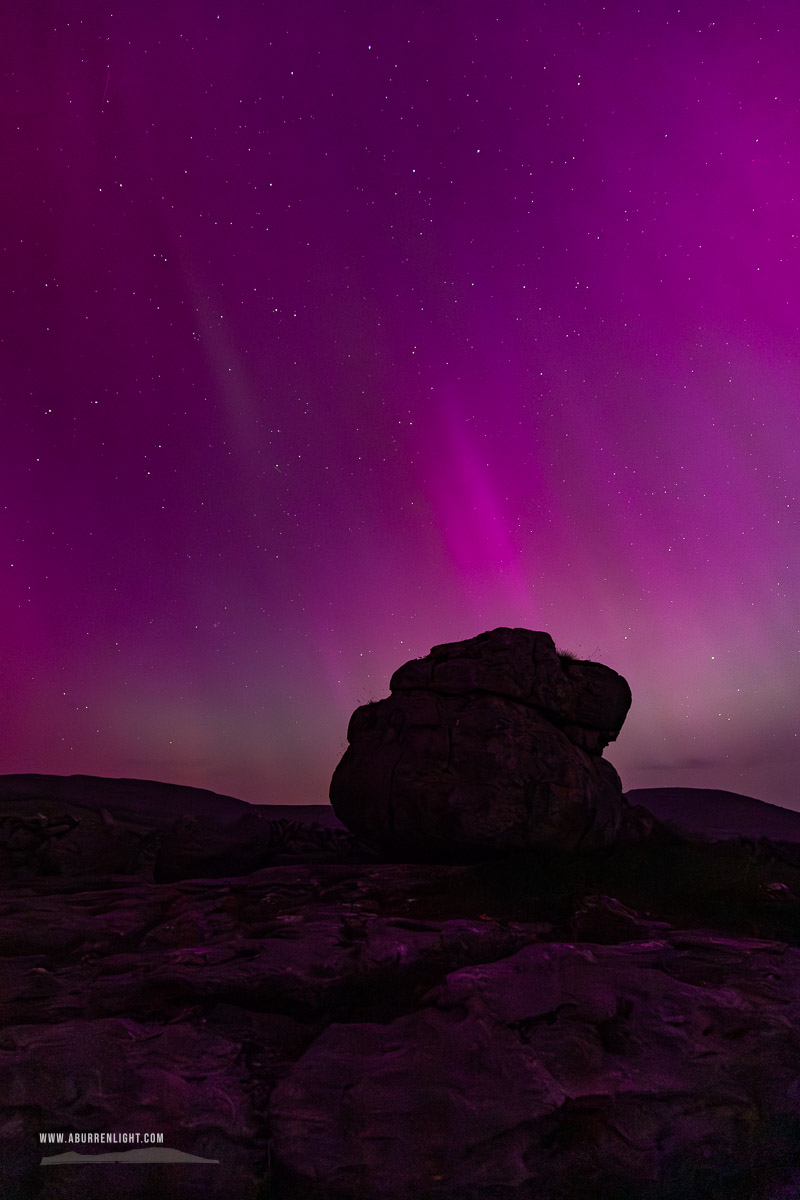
(334, 331)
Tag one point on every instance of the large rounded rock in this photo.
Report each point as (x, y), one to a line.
(494, 742)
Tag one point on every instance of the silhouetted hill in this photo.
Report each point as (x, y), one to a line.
(159, 803)
(719, 814)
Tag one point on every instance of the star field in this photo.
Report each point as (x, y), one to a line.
(333, 331)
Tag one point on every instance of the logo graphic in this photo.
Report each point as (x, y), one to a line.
(145, 1154)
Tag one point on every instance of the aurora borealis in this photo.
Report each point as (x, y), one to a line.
(333, 331)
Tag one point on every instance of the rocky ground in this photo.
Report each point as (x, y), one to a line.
(500, 981)
(619, 1023)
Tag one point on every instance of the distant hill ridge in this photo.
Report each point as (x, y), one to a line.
(160, 803)
(710, 811)
(719, 814)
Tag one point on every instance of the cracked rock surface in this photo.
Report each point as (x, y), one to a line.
(559, 1071)
(620, 1022)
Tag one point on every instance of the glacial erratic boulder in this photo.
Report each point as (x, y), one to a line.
(494, 742)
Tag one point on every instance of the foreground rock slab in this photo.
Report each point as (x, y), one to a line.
(661, 1068)
(614, 1024)
(132, 1007)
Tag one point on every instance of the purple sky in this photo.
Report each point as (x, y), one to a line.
(333, 331)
